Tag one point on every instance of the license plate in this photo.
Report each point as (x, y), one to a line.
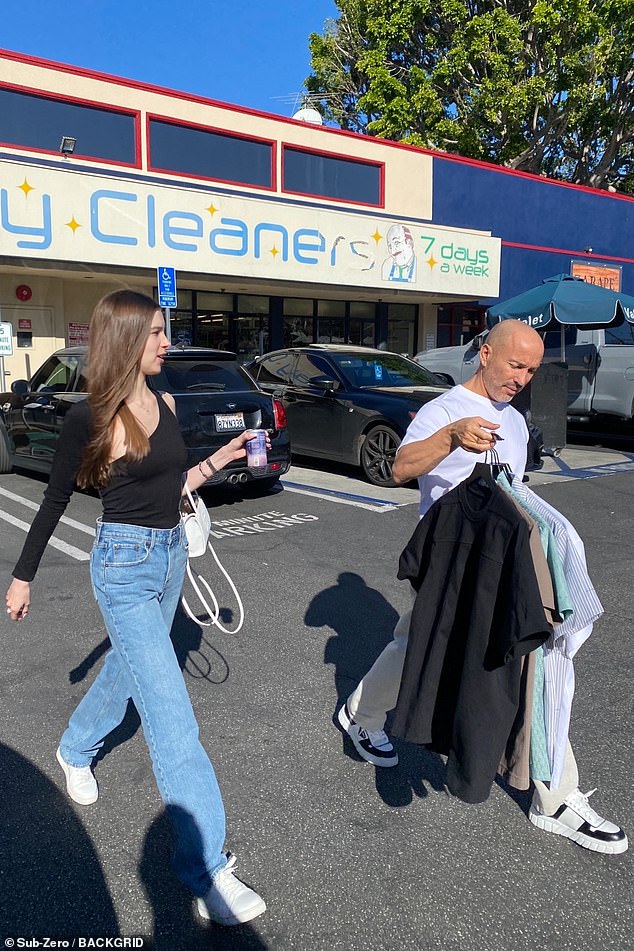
(229, 422)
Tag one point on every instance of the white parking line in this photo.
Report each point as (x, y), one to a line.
(345, 498)
(34, 505)
(75, 553)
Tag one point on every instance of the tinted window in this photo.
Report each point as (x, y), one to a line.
(180, 376)
(274, 369)
(620, 335)
(311, 368)
(207, 154)
(384, 370)
(37, 122)
(552, 338)
(55, 375)
(323, 175)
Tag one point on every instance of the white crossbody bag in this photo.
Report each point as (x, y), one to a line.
(197, 524)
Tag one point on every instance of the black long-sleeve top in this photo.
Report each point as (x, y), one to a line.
(143, 493)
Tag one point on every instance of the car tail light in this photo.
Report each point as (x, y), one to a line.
(279, 414)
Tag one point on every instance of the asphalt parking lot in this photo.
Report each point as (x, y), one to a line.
(346, 856)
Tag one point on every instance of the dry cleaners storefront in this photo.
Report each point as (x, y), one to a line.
(257, 268)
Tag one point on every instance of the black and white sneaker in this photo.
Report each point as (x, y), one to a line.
(577, 820)
(374, 746)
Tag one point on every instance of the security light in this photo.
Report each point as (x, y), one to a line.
(67, 145)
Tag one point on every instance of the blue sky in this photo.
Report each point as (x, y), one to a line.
(246, 52)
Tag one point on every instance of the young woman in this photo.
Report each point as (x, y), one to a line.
(124, 440)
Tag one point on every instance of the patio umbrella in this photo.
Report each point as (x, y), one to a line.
(565, 300)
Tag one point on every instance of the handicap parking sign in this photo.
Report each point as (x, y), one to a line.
(166, 281)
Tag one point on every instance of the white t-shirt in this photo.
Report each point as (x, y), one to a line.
(453, 405)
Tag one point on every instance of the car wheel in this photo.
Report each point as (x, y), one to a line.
(5, 455)
(377, 455)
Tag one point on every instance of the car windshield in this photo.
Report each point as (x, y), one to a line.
(388, 369)
(180, 376)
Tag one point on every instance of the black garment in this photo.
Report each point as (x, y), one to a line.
(143, 493)
(477, 611)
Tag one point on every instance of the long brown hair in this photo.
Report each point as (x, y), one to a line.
(119, 329)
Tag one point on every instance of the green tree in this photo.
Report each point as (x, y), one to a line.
(543, 86)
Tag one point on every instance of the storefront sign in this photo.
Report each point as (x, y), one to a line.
(51, 213)
(603, 275)
(77, 334)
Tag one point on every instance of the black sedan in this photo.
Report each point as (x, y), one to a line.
(215, 399)
(348, 404)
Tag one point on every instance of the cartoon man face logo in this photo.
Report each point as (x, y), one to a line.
(400, 266)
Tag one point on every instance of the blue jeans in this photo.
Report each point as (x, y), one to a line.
(137, 576)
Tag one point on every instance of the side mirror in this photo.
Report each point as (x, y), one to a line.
(325, 384)
(20, 387)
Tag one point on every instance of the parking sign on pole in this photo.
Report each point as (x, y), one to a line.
(166, 282)
(6, 349)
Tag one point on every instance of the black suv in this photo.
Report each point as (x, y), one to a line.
(349, 404)
(215, 399)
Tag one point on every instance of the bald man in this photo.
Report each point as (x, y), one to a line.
(440, 448)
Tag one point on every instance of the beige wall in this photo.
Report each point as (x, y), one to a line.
(55, 301)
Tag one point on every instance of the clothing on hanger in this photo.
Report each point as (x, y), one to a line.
(477, 612)
(559, 678)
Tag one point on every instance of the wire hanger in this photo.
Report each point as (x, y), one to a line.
(489, 470)
(497, 466)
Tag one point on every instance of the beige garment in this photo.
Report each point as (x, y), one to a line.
(515, 764)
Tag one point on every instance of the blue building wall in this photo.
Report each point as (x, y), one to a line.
(557, 222)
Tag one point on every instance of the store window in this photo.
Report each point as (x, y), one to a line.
(40, 122)
(181, 330)
(298, 321)
(458, 324)
(251, 326)
(327, 176)
(331, 321)
(213, 330)
(204, 153)
(362, 324)
(213, 326)
(401, 328)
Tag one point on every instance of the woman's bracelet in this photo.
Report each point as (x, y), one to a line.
(209, 465)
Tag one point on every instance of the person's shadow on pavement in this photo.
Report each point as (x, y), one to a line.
(363, 621)
(51, 879)
(176, 924)
(197, 658)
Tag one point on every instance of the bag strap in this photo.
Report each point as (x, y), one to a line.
(214, 614)
(189, 495)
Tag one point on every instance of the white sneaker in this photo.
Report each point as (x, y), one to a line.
(577, 820)
(81, 785)
(229, 901)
